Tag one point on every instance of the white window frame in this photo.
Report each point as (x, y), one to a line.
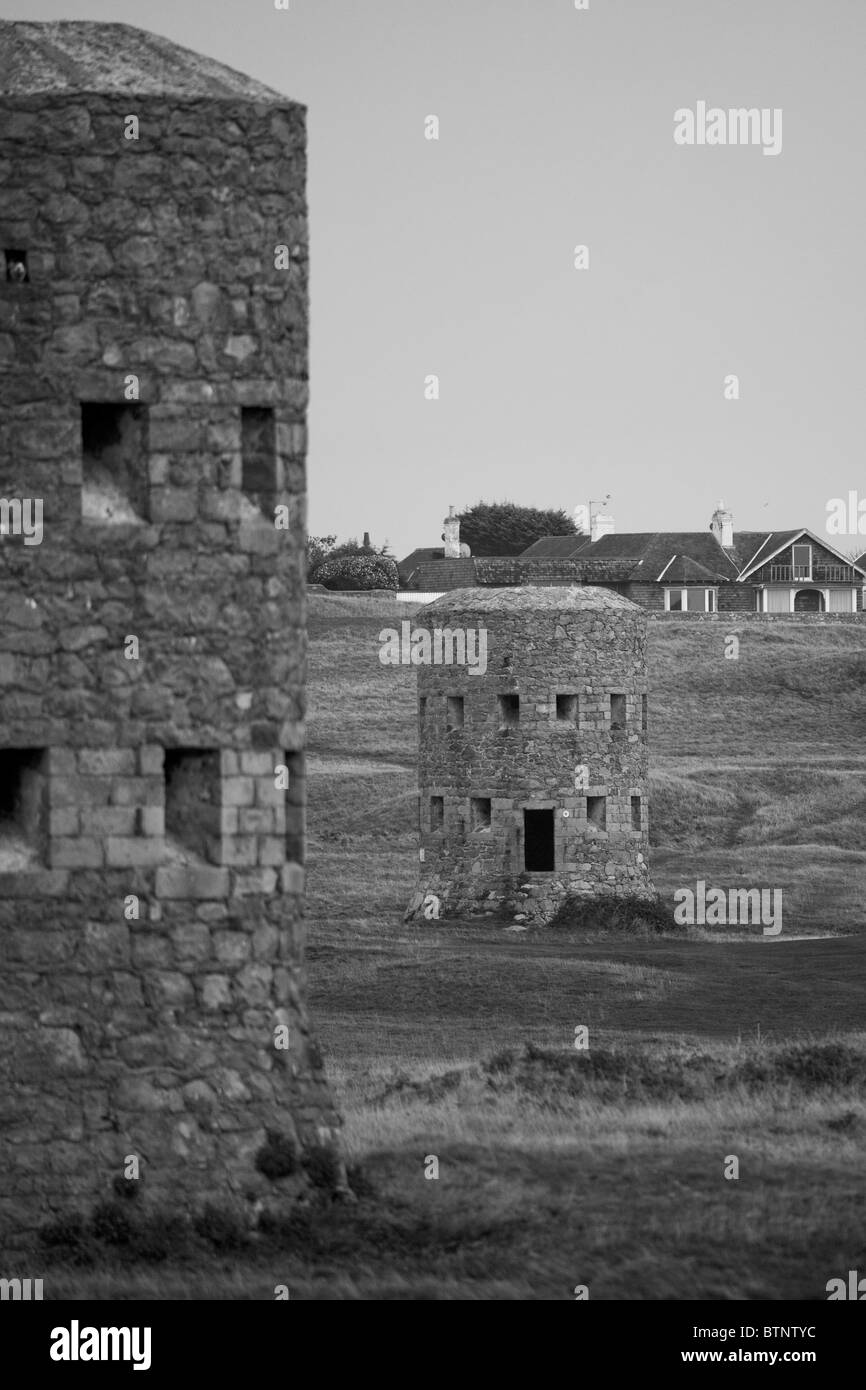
(684, 599)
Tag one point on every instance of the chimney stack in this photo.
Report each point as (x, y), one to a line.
(722, 526)
(451, 536)
(601, 525)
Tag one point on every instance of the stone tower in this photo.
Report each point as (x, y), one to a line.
(533, 760)
(153, 351)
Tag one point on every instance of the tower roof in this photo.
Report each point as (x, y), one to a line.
(82, 56)
(530, 598)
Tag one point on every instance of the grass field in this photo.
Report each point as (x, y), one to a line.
(604, 1167)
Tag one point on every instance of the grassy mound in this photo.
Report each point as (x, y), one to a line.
(622, 916)
(554, 1078)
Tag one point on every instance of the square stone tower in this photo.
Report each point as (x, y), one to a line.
(153, 391)
(533, 762)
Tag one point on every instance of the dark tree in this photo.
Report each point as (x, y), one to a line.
(504, 528)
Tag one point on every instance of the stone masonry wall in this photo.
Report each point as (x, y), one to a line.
(143, 980)
(585, 642)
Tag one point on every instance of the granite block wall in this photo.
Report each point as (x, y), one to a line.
(152, 649)
(556, 722)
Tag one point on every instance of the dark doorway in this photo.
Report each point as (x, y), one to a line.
(808, 601)
(538, 841)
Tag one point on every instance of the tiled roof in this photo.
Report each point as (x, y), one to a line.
(655, 549)
(406, 567)
(438, 575)
(755, 547)
(555, 548)
(684, 570)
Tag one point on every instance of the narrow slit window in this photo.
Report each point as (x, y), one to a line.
(437, 813)
(17, 269)
(259, 457)
(453, 713)
(422, 708)
(509, 711)
(23, 808)
(635, 813)
(296, 806)
(617, 711)
(480, 807)
(113, 461)
(567, 709)
(643, 713)
(596, 812)
(193, 803)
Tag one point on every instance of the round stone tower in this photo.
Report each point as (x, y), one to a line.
(154, 1037)
(533, 750)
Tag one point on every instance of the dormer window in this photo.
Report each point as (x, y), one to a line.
(17, 271)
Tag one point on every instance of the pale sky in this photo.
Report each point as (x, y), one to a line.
(455, 256)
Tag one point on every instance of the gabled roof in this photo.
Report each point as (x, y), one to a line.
(422, 555)
(683, 557)
(85, 56)
(756, 547)
(776, 541)
(655, 550)
(684, 570)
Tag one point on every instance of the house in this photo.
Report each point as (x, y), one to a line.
(407, 567)
(459, 569)
(717, 570)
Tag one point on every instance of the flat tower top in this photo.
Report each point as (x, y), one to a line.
(81, 56)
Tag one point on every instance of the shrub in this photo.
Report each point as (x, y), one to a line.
(819, 1066)
(357, 572)
(222, 1229)
(68, 1238)
(629, 916)
(431, 1089)
(278, 1156)
(554, 1079)
(158, 1237)
(322, 1167)
(126, 1188)
(358, 1181)
(111, 1223)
